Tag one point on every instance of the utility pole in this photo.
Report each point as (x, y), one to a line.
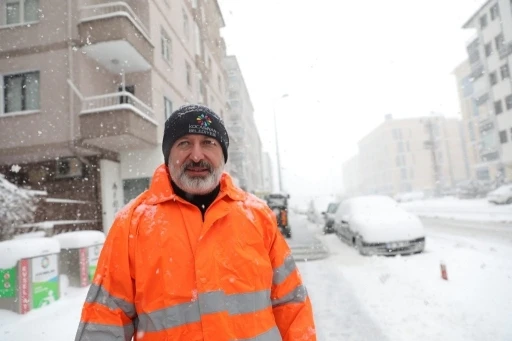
(277, 145)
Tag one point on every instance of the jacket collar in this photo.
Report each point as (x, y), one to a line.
(161, 190)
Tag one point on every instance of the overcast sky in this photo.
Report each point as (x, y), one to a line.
(344, 65)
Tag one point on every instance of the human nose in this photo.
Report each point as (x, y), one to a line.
(197, 153)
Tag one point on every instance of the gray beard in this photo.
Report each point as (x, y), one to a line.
(196, 184)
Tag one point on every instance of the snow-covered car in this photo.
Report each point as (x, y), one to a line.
(329, 217)
(376, 225)
(501, 195)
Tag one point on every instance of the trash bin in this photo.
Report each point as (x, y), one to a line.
(29, 273)
(79, 255)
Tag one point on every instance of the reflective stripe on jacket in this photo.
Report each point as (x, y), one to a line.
(165, 274)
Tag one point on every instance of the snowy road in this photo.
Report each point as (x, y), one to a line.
(404, 298)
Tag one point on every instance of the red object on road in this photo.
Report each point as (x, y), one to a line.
(444, 273)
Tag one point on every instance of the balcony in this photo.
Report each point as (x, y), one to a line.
(117, 122)
(505, 50)
(114, 36)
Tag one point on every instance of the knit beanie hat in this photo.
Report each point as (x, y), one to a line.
(194, 119)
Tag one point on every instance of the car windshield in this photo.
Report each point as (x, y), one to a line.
(332, 208)
(276, 201)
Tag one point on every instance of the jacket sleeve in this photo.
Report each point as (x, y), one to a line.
(290, 301)
(109, 311)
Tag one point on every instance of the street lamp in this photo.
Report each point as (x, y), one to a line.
(277, 142)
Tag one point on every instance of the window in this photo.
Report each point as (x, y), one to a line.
(505, 72)
(498, 108)
(133, 187)
(500, 42)
(186, 25)
(488, 49)
(167, 108)
(467, 87)
(189, 74)
(166, 46)
(403, 172)
(21, 92)
(495, 11)
(219, 82)
(493, 78)
(20, 11)
(508, 102)
(483, 21)
(503, 137)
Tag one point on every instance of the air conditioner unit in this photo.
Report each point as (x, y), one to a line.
(69, 168)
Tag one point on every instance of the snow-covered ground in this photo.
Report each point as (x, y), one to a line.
(364, 298)
(460, 209)
(404, 298)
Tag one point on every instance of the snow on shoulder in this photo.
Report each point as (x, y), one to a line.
(11, 251)
(79, 239)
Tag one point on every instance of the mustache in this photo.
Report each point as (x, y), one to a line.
(200, 164)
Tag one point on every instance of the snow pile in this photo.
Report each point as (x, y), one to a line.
(17, 206)
(79, 239)
(460, 209)
(11, 251)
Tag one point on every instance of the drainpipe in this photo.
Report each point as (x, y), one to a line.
(72, 88)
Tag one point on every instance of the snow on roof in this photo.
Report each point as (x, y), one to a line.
(79, 239)
(11, 251)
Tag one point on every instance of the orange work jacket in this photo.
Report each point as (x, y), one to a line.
(164, 273)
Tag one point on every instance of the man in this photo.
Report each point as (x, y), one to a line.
(194, 257)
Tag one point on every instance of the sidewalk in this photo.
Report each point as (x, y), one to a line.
(460, 209)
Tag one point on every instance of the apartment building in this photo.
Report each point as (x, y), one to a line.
(88, 85)
(245, 147)
(490, 57)
(481, 134)
(414, 154)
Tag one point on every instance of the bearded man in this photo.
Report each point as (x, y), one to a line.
(195, 257)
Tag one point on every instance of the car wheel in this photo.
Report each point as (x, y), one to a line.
(509, 201)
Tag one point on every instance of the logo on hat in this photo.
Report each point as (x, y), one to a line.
(204, 120)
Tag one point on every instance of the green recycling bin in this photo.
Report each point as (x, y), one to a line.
(29, 273)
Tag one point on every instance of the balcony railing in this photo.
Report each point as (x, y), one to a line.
(110, 10)
(117, 101)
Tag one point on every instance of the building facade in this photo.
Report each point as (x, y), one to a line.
(490, 56)
(403, 155)
(245, 150)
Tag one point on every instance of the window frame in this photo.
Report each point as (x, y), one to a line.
(166, 46)
(22, 18)
(167, 101)
(3, 89)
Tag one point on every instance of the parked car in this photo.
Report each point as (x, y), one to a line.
(501, 195)
(470, 189)
(376, 225)
(329, 217)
